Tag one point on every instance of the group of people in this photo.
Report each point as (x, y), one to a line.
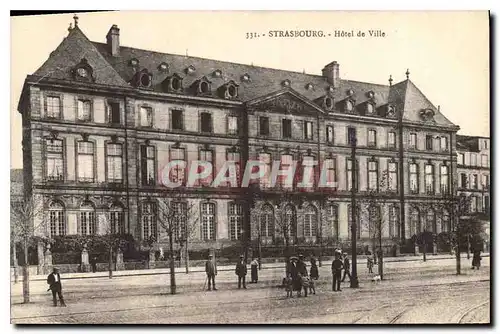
(240, 271)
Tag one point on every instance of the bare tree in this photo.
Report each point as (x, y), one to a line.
(29, 218)
(284, 219)
(111, 239)
(176, 218)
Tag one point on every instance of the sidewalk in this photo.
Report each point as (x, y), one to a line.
(406, 258)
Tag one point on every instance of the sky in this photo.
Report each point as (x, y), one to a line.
(447, 53)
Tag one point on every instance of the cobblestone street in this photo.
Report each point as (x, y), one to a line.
(412, 292)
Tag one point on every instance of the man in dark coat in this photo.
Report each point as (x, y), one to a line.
(54, 282)
(241, 272)
(302, 270)
(211, 270)
(337, 266)
(347, 268)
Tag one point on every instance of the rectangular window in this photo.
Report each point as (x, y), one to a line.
(484, 160)
(236, 158)
(178, 170)
(235, 221)
(463, 180)
(333, 217)
(413, 140)
(391, 139)
(53, 107)
(206, 122)
(437, 143)
(232, 125)
(485, 144)
(149, 225)
(146, 116)
(473, 204)
(473, 159)
(393, 221)
(115, 162)
(414, 178)
(286, 128)
(351, 136)
(429, 179)
(444, 144)
(265, 160)
(329, 134)
(444, 179)
(372, 175)
(207, 155)
(85, 161)
(285, 164)
(350, 176)
(460, 159)
(114, 113)
(177, 120)
(208, 221)
(148, 165)
(308, 130)
(331, 170)
(264, 126)
(372, 138)
(392, 182)
(84, 113)
(54, 159)
(474, 181)
(180, 222)
(486, 182)
(428, 142)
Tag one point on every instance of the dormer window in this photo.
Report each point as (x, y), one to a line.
(350, 92)
(173, 83)
(309, 86)
(245, 77)
(369, 108)
(328, 103)
(134, 62)
(427, 114)
(370, 94)
(331, 89)
(163, 67)
(143, 79)
(349, 105)
(202, 86)
(391, 111)
(286, 83)
(83, 71)
(217, 73)
(228, 90)
(190, 69)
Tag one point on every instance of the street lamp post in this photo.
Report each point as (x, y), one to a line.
(354, 280)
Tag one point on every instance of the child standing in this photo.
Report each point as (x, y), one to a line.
(314, 274)
(369, 263)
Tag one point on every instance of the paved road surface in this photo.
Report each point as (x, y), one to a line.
(412, 293)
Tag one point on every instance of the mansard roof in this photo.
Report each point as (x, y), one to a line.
(117, 71)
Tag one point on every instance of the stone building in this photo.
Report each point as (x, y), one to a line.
(101, 120)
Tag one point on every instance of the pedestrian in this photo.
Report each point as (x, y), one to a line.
(254, 266)
(369, 263)
(241, 272)
(347, 268)
(302, 271)
(54, 282)
(337, 266)
(93, 263)
(211, 270)
(476, 259)
(314, 274)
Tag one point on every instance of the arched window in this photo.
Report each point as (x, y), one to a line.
(116, 219)
(310, 221)
(290, 222)
(148, 220)
(57, 219)
(445, 221)
(267, 221)
(333, 218)
(431, 221)
(208, 221)
(415, 226)
(87, 219)
(235, 221)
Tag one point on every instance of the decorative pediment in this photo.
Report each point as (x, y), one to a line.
(285, 102)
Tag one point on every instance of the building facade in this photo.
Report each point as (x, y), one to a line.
(100, 122)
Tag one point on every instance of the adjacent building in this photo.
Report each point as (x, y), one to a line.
(101, 120)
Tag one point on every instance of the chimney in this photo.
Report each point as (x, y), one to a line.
(331, 73)
(113, 40)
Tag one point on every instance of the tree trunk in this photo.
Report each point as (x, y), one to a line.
(26, 275)
(186, 257)
(381, 259)
(287, 254)
(110, 262)
(15, 264)
(260, 252)
(172, 264)
(425, 251)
